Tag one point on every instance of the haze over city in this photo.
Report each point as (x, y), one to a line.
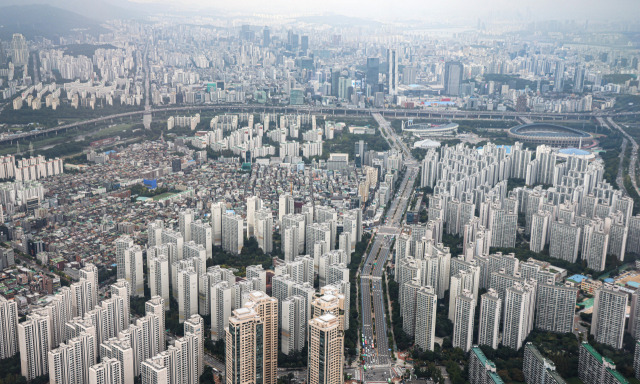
(427, 10)
(337, 192)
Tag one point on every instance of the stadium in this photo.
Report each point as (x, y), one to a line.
(550, 134)
(426, 129)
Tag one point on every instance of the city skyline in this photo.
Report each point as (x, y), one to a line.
(319, 193)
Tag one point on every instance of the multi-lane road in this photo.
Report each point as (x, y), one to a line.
(375, 342)
(374, 325)
(336, 111)
(634, 154)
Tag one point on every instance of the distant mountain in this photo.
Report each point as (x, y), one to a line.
(43, 20)
(93, 9)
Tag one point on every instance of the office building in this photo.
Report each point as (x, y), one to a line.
(392, 74)
(373, 71)
(409, 75)
(266, 37)
(452, 78)
(558, 84)
(609, 315)
(578, 79)
(326, 350)
(19, 50)
(490, 317)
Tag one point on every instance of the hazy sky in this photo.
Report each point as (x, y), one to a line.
(429, 9)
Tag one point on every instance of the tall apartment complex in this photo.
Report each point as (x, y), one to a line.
(326, 350)
(609, 315)
(252, 341)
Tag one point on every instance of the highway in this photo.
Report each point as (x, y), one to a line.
(336, 111)
(634, 154)
(620, 176)
(623, 151)
(374, 324)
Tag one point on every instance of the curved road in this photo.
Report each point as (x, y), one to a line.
(236, 108)
(634, 153)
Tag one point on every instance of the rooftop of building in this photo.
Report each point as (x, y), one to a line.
(480, 355)
(617, 375)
